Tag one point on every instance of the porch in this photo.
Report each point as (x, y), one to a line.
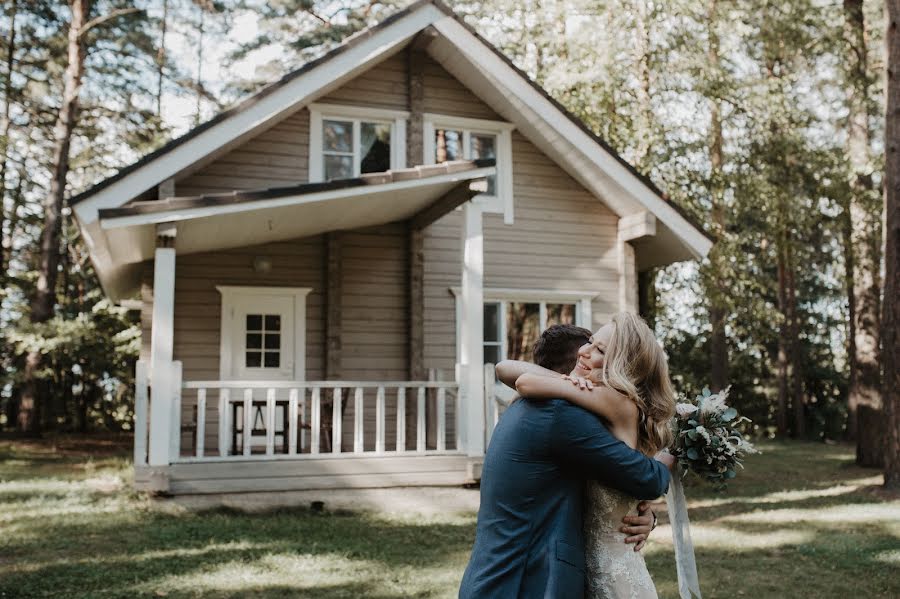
(307, 435)
(256, 423)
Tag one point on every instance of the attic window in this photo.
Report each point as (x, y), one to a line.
(347, 141)
(455, 138)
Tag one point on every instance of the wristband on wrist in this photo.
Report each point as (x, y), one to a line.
(655, 521)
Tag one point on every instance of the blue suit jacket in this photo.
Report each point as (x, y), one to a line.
(529, 540)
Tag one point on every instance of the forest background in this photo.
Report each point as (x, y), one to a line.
(763, 119)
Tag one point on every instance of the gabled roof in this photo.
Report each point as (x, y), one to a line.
(467, 56)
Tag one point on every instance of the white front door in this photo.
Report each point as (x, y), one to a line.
(263, 346)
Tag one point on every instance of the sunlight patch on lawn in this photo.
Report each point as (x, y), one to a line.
(273, 570)
(722, 537)
(888, 557)
(860, 513)
(844, 488)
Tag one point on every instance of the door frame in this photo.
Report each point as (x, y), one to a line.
(228, 328)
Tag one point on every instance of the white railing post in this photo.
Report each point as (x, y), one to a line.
(247, 435)
(401, 419)
(490, 403)
(224, 420)
(420, 420)
(441, 419)
(140, 413)
(379, 420)
(336, 428)
(358, 421)
(292, 423)
(270, 422)
(315, 408)
(175, 436)
(200, 444)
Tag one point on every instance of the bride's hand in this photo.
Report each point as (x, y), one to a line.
(668, 459)
(580, 382)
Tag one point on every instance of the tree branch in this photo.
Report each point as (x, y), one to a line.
(104, 18)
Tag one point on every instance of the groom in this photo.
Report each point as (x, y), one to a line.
(528, 540)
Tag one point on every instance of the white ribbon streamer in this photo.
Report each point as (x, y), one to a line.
(685, 562)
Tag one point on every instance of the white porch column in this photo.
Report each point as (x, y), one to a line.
(162, 385)
(472, 331)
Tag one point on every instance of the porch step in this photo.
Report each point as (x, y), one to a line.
(308, 474)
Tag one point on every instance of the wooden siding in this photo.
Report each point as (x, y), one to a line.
(563, 239)
(278, 156)
(382, 86)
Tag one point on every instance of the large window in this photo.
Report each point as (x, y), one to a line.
(455, 138)
(511, 328)
(347, 141)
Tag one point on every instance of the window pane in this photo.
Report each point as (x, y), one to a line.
(492, 322)
(272, 359)
(337, 136)
(375, 139)
(254, 322)
(254, 341)
(560, 314)
(523, 327)
(338, 167)
(447, 145)
(273, 341)
(254, 359)
(491, 354)
(484, 146)
(273, 322)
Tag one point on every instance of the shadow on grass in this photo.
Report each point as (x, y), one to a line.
(118, 554)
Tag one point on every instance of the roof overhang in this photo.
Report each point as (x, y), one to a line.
(223, 221)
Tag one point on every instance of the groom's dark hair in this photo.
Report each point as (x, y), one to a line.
(557, 347)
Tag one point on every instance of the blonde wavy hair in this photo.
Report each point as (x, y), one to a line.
(636, 367)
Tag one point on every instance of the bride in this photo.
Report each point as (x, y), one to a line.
(622, 376)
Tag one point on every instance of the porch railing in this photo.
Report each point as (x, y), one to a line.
(316, 418)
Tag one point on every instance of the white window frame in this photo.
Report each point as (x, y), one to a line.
(502, 202)
(503, 296)
(228, 337)
(355, 114)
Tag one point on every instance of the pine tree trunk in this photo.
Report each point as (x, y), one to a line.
(642, 74)
(42, 304)
(161, 58)
(863, 251)
(783, 341)
(718, 311)
(798, 400)
(4, 138)
(890, 316)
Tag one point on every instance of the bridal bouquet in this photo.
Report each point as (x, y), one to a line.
(707, 439)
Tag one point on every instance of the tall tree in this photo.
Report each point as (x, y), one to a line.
(44, 298)
(862, 247)
(890, 318)
(5, 123)
(717, 282)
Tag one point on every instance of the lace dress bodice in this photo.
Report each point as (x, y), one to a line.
(614, 569)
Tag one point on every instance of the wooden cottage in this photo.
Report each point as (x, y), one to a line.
(324, 269)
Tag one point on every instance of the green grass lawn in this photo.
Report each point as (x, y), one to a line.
(801, 521)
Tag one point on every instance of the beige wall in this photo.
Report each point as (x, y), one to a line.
(563, 239)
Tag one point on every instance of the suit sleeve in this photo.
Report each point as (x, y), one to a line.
(581, 443)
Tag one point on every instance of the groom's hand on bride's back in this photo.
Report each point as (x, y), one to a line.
(638, 527)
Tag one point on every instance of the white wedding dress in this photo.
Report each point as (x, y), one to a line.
(614, 569)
